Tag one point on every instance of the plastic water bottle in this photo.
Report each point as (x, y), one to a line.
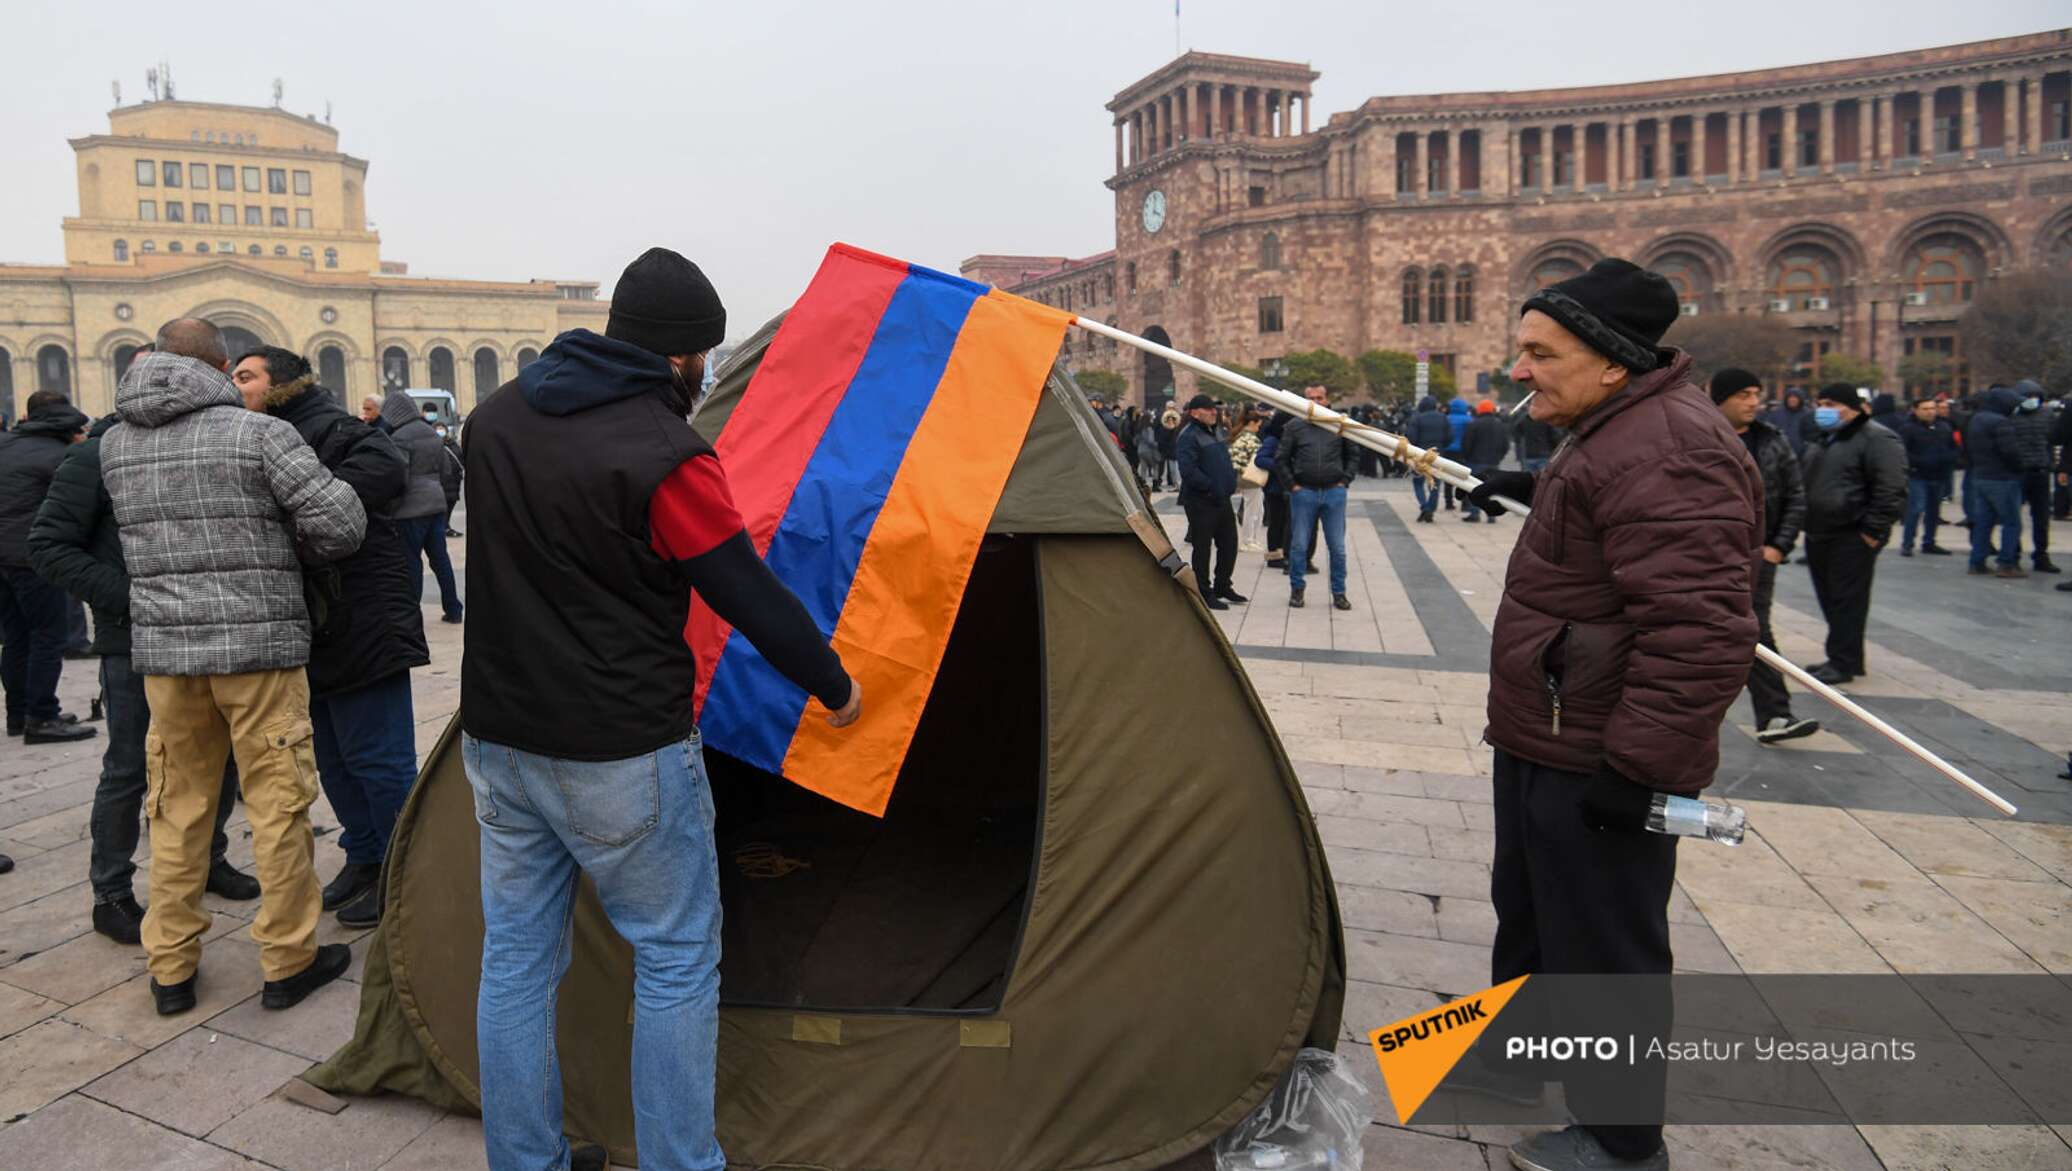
(1695, 817)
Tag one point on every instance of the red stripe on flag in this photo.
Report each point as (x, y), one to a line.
(772, 433)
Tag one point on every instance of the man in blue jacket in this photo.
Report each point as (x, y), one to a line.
(1931, 456)
(1429, 430)
(1207, 481)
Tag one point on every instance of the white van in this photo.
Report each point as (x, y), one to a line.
(437, 406)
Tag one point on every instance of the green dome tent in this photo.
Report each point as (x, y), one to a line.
(1092, 930)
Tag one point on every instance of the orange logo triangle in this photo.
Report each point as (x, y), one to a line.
(1417, 1052)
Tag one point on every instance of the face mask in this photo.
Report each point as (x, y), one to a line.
(1828, 418)
(2031, 403)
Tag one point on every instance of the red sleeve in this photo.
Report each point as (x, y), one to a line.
(692, 511)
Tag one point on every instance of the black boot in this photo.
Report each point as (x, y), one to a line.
(119, 919)
(173, 999)
(353, 881)
(364, 911)
(331, 961)
(1295, 599)
(56, 732)
(229, 882)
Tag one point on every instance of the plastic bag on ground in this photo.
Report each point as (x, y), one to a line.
(1312, 1121)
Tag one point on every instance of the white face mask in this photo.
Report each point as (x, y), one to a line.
(2031, 403)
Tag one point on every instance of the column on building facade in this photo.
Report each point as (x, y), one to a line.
(1449, 172)
(1791, 139)
(1305, 113)
(1514, 142)
(1421, 172)
(1579, 154)
(1827, 136)
(1187, 123)
(1699, 171)
(1752, 145)
(1136, 136)
(1733, 147)
(1627, 167)
(2035, 112)
(1161, 124)
(1967, 130)
(1118, 146)
(1662, 150)
(1863, 133)
(1888, 128)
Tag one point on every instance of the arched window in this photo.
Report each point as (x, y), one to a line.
(1130, 283)
(280, 249)
(124, 355)
(1687, 273)
(150, 246)
(1413, 295)
(254, 250)
(1464, 294)
(1945, 268)
(173, 247)
(331, 371)
(330, 258)
(1173, 267)
(395, 368)
(6, 389)
(527, 356)
(1801, 274)
(202, 247)
(1549, 272)
(121, 251)
(238, 340)
(307, 253)
(439, 369)
(1270, 252)
(54, 369)
(487, 376)
(1435, 304)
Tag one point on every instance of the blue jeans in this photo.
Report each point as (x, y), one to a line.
(1427, 493)
(366, 746)
(1306, 506)
(1995, 502)
(427, 535)
(1534, 463)
(642, 830)
(1922, 497)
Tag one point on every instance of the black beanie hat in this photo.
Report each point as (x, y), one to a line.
(1732, 381)
(1201, 401)
(664, 305)
(1618, 308)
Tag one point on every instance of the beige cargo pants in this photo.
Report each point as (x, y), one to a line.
(263, 717)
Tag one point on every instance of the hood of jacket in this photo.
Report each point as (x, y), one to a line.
(1428, 403)
(1794, 401)
(161, 387)
(398, 408)
(2000, 400)
(2027, 389)
(1458, 407)
(581, 369)
(102, 424)
(60, 421)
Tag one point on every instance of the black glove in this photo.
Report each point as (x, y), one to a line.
(1516, 485)
(1611, 801)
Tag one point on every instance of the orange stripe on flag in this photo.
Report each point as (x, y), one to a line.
(910, 581)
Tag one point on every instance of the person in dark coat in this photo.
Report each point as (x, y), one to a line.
(1274, 494)
(1993, 482)
(2032, 426)
(1207, 481)
(367, 630)
(1931, 454)
(74, 545)
(1429, 429)
(1319, 465)
(1739, 396)
(451, 474)
(1536, 441)
(1483, 447)
(420, 513)
(1625, 631)
(1794, 420)
(35, 616)
(1856, 490)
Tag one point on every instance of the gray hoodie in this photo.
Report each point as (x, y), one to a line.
(426, 452)
(219, 507)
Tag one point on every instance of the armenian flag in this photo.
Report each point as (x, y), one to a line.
(866, 457)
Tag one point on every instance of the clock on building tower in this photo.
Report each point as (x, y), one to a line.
(1154, 211)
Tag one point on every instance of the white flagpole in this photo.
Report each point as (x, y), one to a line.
(1435, 466)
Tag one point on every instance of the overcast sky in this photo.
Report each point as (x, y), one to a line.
(531, 139)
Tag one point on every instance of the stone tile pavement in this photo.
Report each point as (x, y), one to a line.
(1857, 862)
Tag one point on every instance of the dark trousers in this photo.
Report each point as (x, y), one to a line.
(2036, 494)
(1922, 497)
(78, 636)
(366, 747)
(1571, 899)
(427, 534)
(1842, 567)
(1765, 683)
(119, 797)
(1211, 522)
(1276, 521)
(34, 624)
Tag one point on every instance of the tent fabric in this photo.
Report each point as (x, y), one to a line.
(1117, 1005)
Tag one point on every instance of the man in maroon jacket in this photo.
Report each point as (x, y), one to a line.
(1626, 629)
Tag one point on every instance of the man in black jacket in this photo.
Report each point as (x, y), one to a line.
(1483, 447)
(2032, 426)
(74, 546)
(595, 514)
(1739, 396)
(366, 630)
(1856, 489)
(1993, 483)
(1931, 457)
(1207, 481)
(1319, 465)
(35, 616)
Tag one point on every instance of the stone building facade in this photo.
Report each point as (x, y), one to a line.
(254, 219)
(1862, 202)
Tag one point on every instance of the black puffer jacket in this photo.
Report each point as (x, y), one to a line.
(1485, 442)
(1991, 451)
(366, 621)
(1856, 481)
(1784, 493)
(1311, 456)
(1931, 448)
(29, 457)
(1206, 472)
(2032, 428)
(74, 543)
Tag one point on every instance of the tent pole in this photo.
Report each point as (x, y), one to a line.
(1433, 465)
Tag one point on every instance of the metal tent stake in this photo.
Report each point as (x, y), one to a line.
(1432, 464)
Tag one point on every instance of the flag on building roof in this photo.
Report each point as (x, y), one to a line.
(866, 456)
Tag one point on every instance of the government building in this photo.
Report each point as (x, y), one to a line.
(253, 219)
(1861, 202)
